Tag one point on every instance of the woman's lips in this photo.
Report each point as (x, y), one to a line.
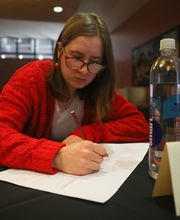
(79, 79)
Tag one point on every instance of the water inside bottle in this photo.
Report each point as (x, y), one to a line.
(164, 121)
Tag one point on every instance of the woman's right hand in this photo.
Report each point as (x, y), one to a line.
(79, 158)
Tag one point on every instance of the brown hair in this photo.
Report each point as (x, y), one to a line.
(100, 91)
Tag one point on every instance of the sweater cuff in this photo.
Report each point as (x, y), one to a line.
(42, 158)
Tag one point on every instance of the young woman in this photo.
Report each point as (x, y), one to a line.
(37, 130)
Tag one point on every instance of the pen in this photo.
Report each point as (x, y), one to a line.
(73, 113)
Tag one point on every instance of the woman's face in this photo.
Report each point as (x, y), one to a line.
(87, 49)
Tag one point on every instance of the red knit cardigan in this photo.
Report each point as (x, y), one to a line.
(26, 115)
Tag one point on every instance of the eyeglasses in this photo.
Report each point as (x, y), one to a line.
(76, 64)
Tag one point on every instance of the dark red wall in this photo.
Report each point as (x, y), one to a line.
(154, 18)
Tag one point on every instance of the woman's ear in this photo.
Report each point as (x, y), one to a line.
(59, 47)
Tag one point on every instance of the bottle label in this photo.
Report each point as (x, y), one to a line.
(156, 133)
(171, 107)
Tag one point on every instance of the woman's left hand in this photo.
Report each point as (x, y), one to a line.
(72, 139)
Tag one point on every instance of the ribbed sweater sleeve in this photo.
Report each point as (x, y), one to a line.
(125, 123)
(21, 113)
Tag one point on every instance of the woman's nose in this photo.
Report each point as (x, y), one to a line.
(83, 69)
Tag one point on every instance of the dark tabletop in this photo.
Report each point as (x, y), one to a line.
(132, 200)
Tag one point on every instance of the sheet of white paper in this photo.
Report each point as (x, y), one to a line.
(98, 187)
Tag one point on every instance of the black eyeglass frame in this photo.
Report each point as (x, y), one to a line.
(101, 67)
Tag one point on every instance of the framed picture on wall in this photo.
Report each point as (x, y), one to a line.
(144, 56)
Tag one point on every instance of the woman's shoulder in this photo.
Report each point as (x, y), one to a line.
(117, 96)
(35, 67)
(118, 100)
(30, 74)
(33, 70)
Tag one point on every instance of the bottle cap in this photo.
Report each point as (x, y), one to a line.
(167, 43)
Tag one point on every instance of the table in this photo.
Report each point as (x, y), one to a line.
(132, 200)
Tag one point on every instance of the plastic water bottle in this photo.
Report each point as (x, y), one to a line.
(164, 103)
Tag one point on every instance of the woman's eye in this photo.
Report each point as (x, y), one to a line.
(95, 61)
(77, 58)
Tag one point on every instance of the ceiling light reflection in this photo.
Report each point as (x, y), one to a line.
(3, 56)
(58, 9)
